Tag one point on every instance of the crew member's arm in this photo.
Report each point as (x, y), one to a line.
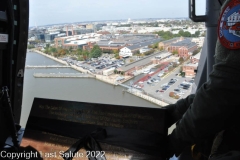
(176, 111)
(206, 116)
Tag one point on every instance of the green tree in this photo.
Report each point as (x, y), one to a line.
(184, 34)
(56, 54)
(115, 51)
(85, 54)
(79, 51)
(96, 52)
(70, 49)
(181, 60)
(117, 56)
(197, 34)
(53, 50)
(47, 45)
(149, 52)
(181, 32)
(175, 52)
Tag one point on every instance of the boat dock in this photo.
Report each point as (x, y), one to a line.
(61, 75)
(51, 66)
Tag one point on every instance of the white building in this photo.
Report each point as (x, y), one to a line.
(199, 41)
(125, 52)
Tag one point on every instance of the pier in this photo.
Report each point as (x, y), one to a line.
(52, 66)
(61, 75)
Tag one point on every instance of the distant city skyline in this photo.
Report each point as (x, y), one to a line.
(45, 12)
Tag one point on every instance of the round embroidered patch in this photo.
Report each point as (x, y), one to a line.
(229, 25)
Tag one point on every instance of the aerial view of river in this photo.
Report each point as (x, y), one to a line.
(72, 89)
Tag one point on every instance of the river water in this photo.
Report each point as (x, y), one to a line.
(72, 89)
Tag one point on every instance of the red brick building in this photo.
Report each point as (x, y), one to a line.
(189, 69)
(165, 44)
(183, 48)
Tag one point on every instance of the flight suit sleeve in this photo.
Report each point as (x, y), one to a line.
(205, 117)
(183, 104)
(176, 111)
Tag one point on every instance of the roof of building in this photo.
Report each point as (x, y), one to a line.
(110, 44)
(143, 44)
(170, 40)
(191, 64)
(139, 39)
(143, 61)
(78, 42)
(185, 43)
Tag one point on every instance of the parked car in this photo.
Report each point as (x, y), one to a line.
(173, 79)
(155, 80)
(184, 87)
(164, 88)
(171, 82)
(160, 74)
(149, 82)
(177, 90)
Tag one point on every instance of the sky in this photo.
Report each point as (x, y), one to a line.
(44, 12)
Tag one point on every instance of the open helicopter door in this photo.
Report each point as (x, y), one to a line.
(207, 54)
(14, 17)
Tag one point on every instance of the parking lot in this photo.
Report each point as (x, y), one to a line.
(161, 89)
(96, 65)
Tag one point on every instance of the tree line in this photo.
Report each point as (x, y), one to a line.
(169, 35)
(81, 54)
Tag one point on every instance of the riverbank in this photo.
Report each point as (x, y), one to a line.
(51, 57)
(111, 79)
(148, 98)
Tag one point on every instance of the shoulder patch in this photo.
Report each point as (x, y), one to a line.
(229, 25)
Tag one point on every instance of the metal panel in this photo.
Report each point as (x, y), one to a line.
(201, 75)
(20, 48)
